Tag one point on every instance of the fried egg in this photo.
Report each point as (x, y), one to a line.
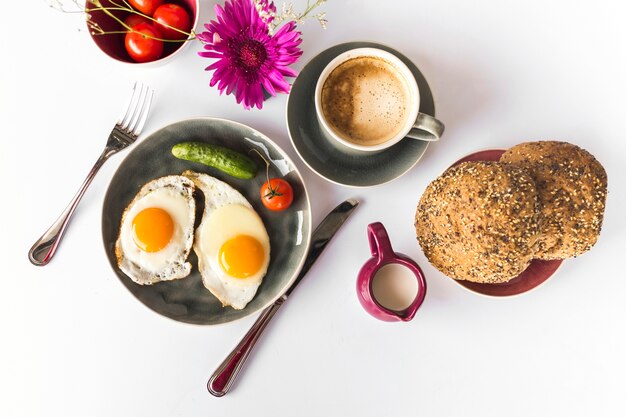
(156, 232)
(231, 243)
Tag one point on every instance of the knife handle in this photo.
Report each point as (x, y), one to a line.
(222, 379)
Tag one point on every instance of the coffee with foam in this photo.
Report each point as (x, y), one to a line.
(366, 101)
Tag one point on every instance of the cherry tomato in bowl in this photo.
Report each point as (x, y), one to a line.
(175, 16)
(146, 6)
(134, 19)
(143, 44)
(276, 194)
(113, 43)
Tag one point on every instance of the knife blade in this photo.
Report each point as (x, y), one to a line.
(222, 379)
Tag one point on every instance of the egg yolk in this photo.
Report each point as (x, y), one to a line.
(241, 256)
(152, 229)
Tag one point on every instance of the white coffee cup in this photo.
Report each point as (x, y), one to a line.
(407, 122)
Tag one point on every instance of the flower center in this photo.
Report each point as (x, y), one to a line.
(251, 54)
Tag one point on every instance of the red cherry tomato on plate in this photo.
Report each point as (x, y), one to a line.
(134, 19)
(276, 194)
(174, 16)
(146, 6)
(141, 45)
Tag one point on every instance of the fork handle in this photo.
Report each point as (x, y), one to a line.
(43, 250)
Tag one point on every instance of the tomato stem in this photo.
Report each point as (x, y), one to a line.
(273, 192)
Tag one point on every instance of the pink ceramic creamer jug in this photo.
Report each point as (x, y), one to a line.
(384, 255)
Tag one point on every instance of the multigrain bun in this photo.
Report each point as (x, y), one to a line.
(477, 221)
(572, 187)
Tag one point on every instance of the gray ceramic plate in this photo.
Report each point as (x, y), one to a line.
(187, 300)
(322, 156)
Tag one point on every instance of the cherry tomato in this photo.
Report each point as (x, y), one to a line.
(174, 16)
(276, 194)
(146, 6)
(134, 19)
(141, 45)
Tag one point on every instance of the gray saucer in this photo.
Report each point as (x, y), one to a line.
(323, 156)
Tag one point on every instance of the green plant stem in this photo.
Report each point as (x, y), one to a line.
(108, 11)
(309, 8)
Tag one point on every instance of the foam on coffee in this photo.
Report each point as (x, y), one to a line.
(366, 100)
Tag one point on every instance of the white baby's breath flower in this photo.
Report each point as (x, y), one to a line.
(266, 13)
(321, 18)
(67, 6)
(288, 13)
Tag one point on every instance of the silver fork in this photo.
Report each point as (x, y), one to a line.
(124, 134)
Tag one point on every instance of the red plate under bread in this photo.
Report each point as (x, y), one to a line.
(537, 272)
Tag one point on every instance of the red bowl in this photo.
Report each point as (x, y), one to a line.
(113, 45)
(537, 272)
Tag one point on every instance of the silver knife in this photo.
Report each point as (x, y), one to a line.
(222, 379)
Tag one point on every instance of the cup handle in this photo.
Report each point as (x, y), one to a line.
(426, 128)
(380, 246)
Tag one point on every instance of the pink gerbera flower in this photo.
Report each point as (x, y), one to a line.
(249, 59)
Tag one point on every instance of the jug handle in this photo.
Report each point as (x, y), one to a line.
(380, 246)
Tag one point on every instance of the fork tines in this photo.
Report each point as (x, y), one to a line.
(136, 113)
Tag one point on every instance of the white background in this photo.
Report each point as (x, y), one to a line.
(75, 342)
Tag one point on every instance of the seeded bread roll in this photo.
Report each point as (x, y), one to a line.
(477, 222)
(572, 187)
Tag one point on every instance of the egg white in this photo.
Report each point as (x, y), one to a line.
(173, 194)
(227, 214)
